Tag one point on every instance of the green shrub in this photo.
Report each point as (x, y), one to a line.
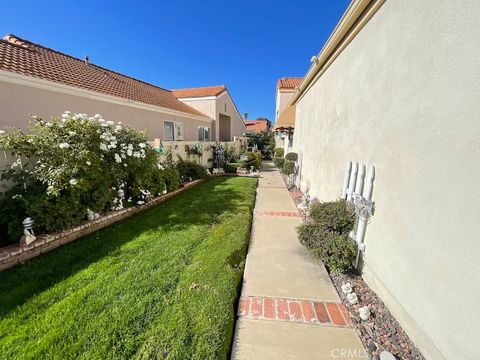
(310, 234)
(279, 161)
(231, 168)
(332, 216)
(288, 168)
(74, 163)
(171, 178)
(292, 156)
(279, 152)
(337, 252)
(253, 159)
(326, 231)
(190, 170)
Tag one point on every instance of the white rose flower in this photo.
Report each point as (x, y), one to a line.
(118, 159)
(129, 152)
(142, 145)
(103, 147)
(2, 132)
(110, 122)
(88, 163)
(72, 133)
(73, 182)
(64, 145)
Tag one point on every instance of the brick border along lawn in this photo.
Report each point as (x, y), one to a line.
(161, 284)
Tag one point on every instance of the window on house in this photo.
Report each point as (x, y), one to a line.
(203, 133)
(172, 131)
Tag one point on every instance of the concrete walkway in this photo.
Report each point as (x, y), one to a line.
(289, 308)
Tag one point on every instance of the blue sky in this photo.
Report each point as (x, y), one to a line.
(246, 45)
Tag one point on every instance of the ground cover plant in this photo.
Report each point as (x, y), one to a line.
(161, 284)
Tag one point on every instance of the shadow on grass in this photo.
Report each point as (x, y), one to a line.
(200, 205)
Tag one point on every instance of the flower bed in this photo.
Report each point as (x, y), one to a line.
(77, 166)
(16, 254)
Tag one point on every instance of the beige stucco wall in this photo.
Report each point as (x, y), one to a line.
(405, 96)
(282, 99)
(18, 101)
(237, 124)
(213, 107)
(208, 107)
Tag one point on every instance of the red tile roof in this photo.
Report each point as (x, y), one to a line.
(27, 58)
(199, 92)
(289, 82)
(256, 125)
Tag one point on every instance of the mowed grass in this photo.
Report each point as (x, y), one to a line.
(160, 285)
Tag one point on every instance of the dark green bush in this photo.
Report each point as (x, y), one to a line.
(190, 170)
(279, 152)
(171, 177)
(326, 231)
(292, 156)
(332, 216)
(311, 235)
(253, 159)
(279, 161)
(337, 252)
(231, 168)
(288, 168)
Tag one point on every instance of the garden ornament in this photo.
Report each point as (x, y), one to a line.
(347, 288)
(386, 355)
(28, 235)
(352, 298)
(364, 312)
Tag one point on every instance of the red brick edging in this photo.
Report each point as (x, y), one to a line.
(299, 311)
(276, 213)
(15, 254)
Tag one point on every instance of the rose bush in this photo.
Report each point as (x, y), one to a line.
(75, 164)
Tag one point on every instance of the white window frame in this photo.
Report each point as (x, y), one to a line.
(178, 131)
(202, 131)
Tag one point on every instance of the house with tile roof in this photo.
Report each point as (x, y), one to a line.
(256, 126)
(37, 80)
(285, 113)
(217, 103)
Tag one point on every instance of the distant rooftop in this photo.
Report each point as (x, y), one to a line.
(199, 92)
(289, 82)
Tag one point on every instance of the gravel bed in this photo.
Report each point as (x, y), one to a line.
(381, 331)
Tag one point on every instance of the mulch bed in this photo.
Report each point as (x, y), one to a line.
(381, 331)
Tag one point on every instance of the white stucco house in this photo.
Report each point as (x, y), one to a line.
(396, 88)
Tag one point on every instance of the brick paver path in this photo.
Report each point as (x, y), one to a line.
(289, 308)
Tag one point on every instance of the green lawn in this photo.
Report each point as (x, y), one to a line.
(161, 284)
